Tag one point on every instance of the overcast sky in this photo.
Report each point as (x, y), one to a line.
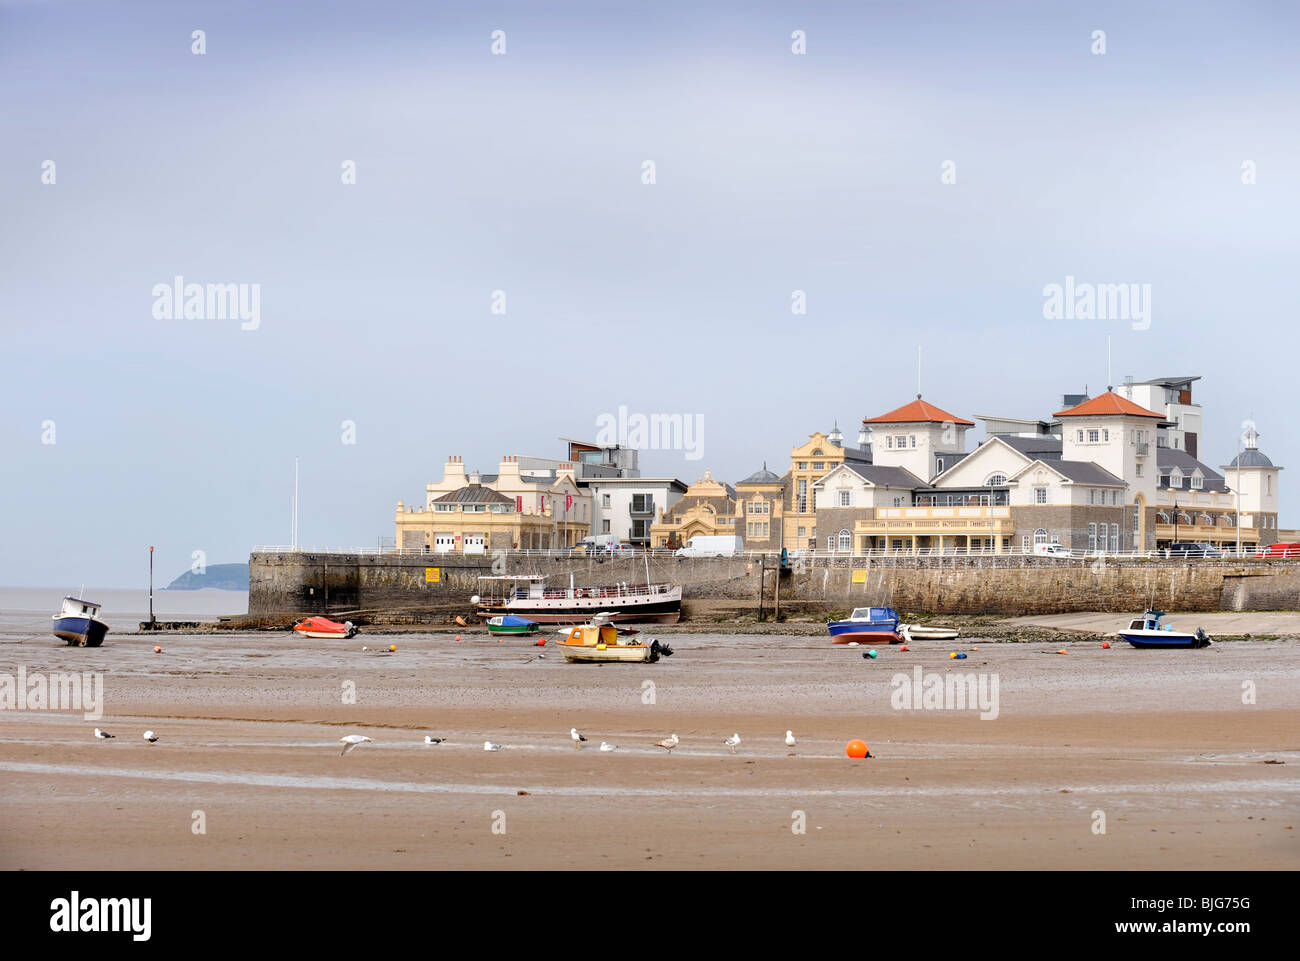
(476, 172)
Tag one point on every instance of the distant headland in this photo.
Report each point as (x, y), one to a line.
(220, 577)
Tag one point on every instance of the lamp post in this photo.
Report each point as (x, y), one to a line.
(151, 619)
(1236, 487)
(1175, 518)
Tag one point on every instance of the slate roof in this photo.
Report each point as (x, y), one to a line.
(1167, 458)
(473, 494)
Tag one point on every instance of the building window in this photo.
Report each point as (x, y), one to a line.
(898, 501)
(642, 503)
(900, 441)
(997, 480)
(1080, 437)
(1138, 468)
(1094, 436)
(1040, 536)
(803, 465)
(1114, 538)
(1197, 482)
(938, 463)
(1091, 497)
(1114, 499)
(846, 498)
(1024, 543)
(802, 505)
(803, 532)
(604, 526)
(889, 441)
(830, 543)
(913, 441)
(846, 542)
(604, 500)
(1092, 537)
(1040, 495)
(819, 465)
(1105, 435)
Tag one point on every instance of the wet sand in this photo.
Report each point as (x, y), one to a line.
(1158, 742)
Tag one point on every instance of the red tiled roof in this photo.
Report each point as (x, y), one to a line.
(1109, 404)
(918, 412)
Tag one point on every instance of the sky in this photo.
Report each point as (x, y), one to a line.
(501, 274)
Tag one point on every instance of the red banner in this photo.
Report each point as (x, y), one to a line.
(519, 503)
(568, 503)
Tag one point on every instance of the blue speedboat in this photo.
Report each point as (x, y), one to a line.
(1147, 631)
(78, 623)
(879, 624)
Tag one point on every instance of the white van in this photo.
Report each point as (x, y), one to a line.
(712, 545)
(1054, 550)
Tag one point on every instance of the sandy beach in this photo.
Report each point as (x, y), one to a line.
(1159, 744)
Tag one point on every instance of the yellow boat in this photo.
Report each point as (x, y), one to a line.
(599, 643)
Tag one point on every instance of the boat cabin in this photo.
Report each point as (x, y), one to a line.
(872, 614)
(76, 607)
(1150, 621)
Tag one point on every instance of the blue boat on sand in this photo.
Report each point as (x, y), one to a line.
(78, 623)
(1147, 632)
(866, 625)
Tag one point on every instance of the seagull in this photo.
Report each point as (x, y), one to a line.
(789, 738)
(733, 742)
(351, 741)
(576, 737)
(604, 746)
(150, 736)
(668, 743)
(430, 739)
(489, 746)
(103, 735)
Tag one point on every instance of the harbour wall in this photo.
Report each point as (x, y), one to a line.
(393, 585)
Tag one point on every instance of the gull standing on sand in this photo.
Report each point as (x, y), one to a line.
(604, 746)
(789, 738)
(430, 739)
(351, 741)
(150, 736)
(103, 735)
(576, 737)
(733, 742)
(668, 743)
(489, 746)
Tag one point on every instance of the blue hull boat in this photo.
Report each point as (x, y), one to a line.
(1147, 632)
(878, 624)
(78, 623)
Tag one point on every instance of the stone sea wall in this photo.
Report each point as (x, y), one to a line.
(391, 584)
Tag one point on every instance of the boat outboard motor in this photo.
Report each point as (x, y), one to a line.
(351, 629)
(1202, 639)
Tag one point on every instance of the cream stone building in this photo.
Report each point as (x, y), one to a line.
(529, 508)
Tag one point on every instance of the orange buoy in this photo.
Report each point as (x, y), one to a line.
(857, 749)
(903, 648)
(1061, 651)
(541, 642)
(458, 638)
(392, 648)
(952, 656)
(1105, 644)
(157, 649)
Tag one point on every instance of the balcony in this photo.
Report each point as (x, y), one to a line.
(975, 521)
(1142, 448)
(647, 509)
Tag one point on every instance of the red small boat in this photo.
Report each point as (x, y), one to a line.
(868, 637)
(324, 627)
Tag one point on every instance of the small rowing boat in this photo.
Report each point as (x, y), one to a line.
(324, 627)
(922, 632)
(512, 624)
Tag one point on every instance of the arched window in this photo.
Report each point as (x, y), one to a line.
(1040, 536)
(1163, 518)
(846, 542)
(996, 480)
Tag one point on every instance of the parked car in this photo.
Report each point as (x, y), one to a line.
(619, 547)
(712, 545)
(1055, 550)
(1192, 549)
(1280, 550)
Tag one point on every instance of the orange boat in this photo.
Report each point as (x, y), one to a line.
(599, 643)
(324, 627)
